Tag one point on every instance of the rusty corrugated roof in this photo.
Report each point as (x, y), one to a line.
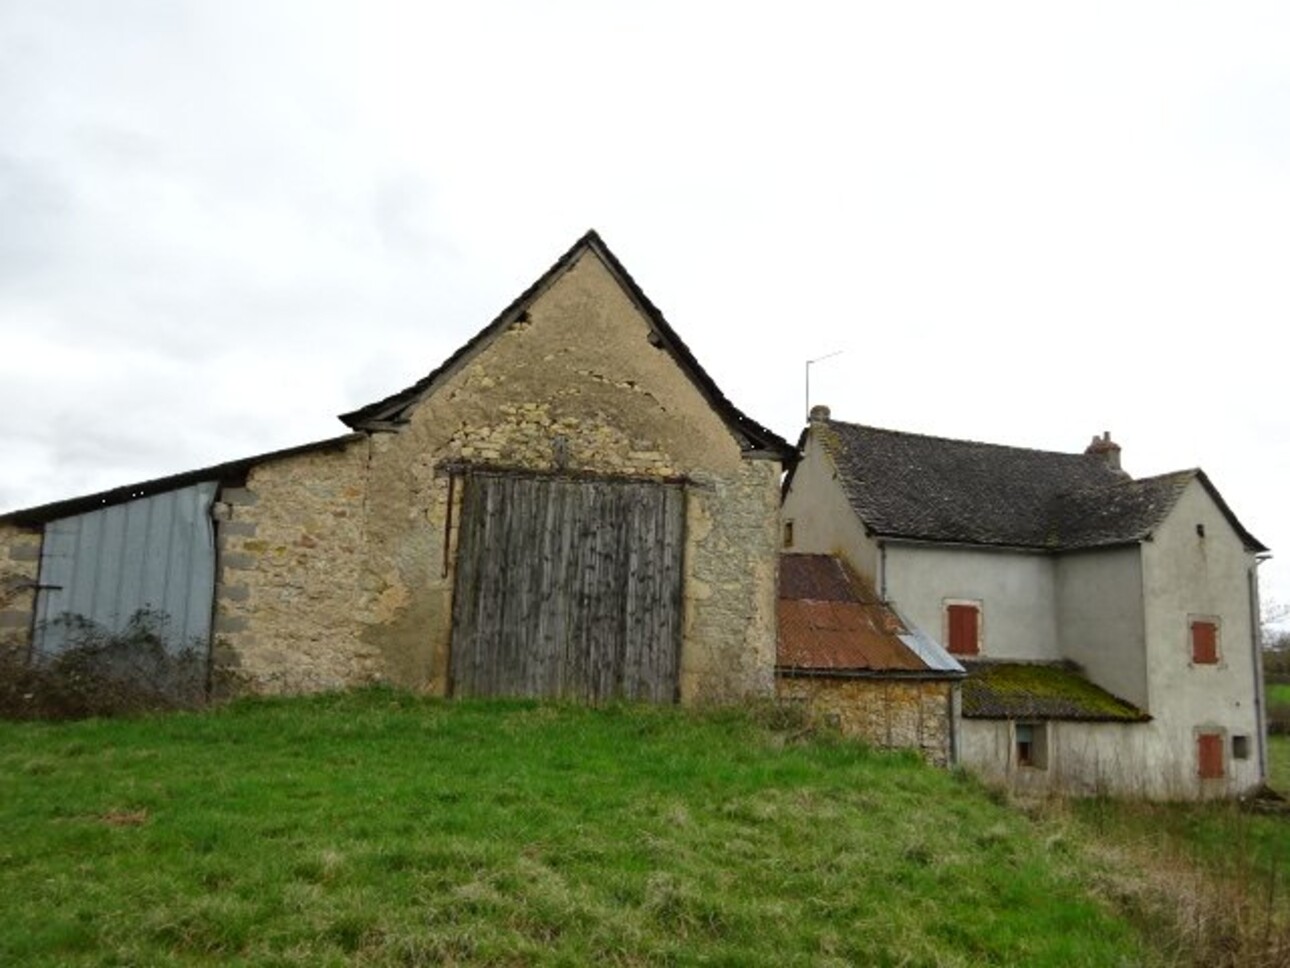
(819, 578)
(841, 635)
(830, 621)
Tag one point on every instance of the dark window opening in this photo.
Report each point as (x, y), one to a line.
(788, 534)
(1032, 745)
(1240, 747)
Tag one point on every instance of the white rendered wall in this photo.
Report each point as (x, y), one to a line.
(1017, 592)
(822, 519)
(1100, 622)
(1186, 575)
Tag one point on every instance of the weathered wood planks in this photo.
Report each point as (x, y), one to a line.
(568, 588)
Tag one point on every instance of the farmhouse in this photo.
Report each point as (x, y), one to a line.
(1108, 625)
(568, 506)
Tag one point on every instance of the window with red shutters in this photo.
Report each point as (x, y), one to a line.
(964, 622)
(1204, 642)
(1209, 756)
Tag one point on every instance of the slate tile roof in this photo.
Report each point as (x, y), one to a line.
(904, 485)
(832, 623)
(1040, 691)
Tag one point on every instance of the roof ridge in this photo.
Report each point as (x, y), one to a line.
(1126, 481)
(757, 436)
(960, 440)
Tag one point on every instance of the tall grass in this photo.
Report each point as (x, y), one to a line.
(381, 829)
(1208, 880)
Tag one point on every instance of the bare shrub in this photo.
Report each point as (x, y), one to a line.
(103, 673)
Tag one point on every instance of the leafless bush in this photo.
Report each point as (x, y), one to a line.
(103, 673)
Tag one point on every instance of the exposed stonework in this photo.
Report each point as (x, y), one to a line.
(292, 588)
(731, 549)
(892, 714)
(19, 570)
(334, 570)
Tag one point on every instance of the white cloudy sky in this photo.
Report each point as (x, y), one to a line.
(223, 223)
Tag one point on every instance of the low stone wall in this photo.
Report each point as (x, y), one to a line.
(887, 713)
(19, 570)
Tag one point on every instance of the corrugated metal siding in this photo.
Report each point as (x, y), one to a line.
(829, 621)
(155, 553)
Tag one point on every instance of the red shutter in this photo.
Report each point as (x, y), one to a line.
(1209, 756)
(1204, 643)
(963, 621)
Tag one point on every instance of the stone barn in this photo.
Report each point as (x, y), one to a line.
(568, 506)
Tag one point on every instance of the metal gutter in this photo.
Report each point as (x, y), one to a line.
(1256, 644)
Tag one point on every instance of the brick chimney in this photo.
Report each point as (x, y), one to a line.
(1105, 448)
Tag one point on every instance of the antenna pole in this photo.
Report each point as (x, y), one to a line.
(818, 359)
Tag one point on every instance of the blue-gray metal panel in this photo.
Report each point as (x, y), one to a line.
(155, 553)
(932, 654)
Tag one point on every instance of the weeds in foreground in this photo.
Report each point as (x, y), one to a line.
(1206, 881)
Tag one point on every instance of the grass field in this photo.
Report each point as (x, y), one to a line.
(1278, 692)
(1279, 764)
(381, 829)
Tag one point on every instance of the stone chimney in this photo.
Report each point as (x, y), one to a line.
(819, 413)
(1105, 448)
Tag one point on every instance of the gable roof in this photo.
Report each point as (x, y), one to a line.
(754, 439)
(911, 486)
(1040, 690)
(832, 624)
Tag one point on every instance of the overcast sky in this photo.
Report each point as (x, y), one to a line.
(221, 224)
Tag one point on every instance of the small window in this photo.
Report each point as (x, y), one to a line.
(1209, 756)
(788, 534)
(963, 627)
(1240, 747)
(1032, 745)
(1204, 641)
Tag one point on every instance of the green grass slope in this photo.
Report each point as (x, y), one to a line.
(381, 829)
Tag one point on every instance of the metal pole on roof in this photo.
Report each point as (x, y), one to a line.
(818, 359)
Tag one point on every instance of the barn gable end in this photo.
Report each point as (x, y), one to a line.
(579, 381)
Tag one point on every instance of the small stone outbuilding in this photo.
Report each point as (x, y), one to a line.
(568, 506)
(858, 665)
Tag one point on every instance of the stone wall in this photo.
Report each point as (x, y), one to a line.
(292, 589)
(888, 713)
(338, 569)
(575, 384)
(19, 570)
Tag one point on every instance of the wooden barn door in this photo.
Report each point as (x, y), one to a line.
(568, 588)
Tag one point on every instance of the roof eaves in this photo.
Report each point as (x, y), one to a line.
(760, 440)
(1251, 543)
(228, 472)
(756, 441)
(834, 672)
(393, 407)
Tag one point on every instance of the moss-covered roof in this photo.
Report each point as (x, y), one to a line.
(1040, 690)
